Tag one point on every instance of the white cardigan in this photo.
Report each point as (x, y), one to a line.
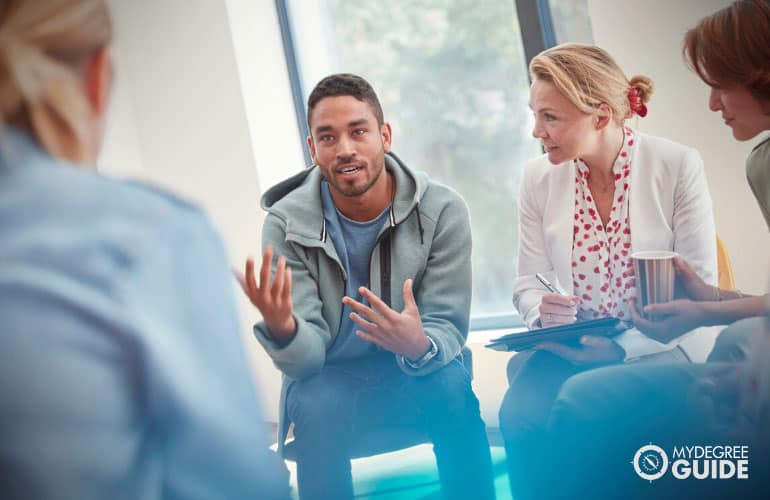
(669, 209)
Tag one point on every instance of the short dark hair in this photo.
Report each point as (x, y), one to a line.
(342, 84)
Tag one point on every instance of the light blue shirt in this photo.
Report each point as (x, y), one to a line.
(122, 371)
(354, 242)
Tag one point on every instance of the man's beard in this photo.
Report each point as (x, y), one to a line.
(353, 191)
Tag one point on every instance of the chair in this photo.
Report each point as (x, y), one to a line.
(726, 280)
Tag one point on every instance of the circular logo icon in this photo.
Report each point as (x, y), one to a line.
(650, 462)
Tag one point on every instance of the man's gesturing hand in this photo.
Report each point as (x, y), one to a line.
(272, 300)
(400, 333)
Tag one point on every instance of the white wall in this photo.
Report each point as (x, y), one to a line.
(267, 97)
(646, 38)
(196, 116)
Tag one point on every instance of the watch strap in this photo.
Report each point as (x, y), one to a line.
(425, 358)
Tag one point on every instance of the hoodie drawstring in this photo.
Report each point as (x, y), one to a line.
(419, 224)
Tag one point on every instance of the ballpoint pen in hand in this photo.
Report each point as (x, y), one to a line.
(556, 308)
(551, 287)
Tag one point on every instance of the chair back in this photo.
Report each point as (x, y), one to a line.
(726, 280)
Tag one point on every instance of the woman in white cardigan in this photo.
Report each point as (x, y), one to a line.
(602, 417)
(601, 192)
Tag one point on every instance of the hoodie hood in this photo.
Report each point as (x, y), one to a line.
(297, 200)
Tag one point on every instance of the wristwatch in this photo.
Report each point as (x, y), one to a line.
(423, 360)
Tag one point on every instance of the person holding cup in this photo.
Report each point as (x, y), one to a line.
(601, 192)
(600, 417)
(736, 68)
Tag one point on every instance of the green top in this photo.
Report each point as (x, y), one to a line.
(758, 174)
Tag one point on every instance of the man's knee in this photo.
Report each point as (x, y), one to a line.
(317, 401)
(447, 390)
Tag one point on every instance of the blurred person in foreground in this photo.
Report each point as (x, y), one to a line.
(610, 413)
(122, 372)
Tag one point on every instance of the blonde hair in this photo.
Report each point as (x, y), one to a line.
(588, 77)
(43, 45)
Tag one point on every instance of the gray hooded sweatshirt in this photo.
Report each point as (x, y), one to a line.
(427, 238)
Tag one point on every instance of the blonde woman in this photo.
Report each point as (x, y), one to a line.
(602, 416)
(602, 191)
(121, 369)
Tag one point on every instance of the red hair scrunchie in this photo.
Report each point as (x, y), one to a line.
(635, 102)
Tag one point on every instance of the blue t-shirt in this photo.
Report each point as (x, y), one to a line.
(354, 242)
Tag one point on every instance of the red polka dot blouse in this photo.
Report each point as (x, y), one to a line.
(602, 272)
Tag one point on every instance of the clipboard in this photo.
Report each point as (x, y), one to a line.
(522, 341)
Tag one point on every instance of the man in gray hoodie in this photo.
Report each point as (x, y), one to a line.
(368, 307)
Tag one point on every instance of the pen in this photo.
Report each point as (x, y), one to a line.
(551, 288)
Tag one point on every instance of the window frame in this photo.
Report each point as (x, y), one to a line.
(537, 34)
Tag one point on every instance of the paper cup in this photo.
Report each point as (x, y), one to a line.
(655, 278)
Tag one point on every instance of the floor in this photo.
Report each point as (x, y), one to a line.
(408, 474)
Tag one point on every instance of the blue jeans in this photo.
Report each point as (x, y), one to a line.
(332, 410)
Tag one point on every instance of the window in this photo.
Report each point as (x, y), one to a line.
(570, 21)
(452, 78)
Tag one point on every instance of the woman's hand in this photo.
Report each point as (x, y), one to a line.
(557, 309)
(675, 318)
(691, 284)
